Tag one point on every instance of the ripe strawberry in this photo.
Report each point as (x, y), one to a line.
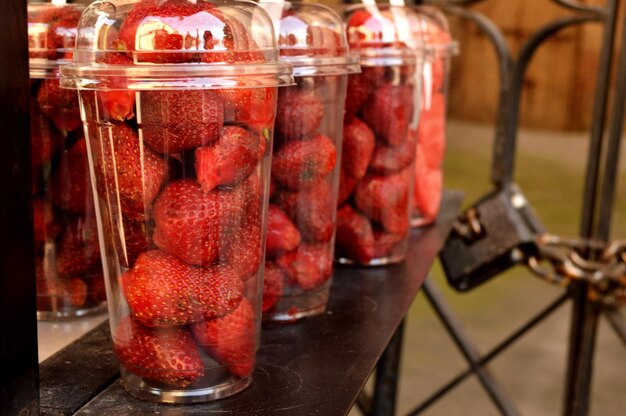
(282, 235)
(163, 291)
(355, 238)
(273, 283)
(191, 224)
(299, 113)
(252, 106)
(385, 243)
(177, 120)
(166, 355)
(126, 171)
(308, 266)
(58, 293)
(44, 224)
(59, 36)
(358, 148)
(231, 339)
(117, 103)
(427, 190)
(78, 248)
(132, 241)
(45, 139)
(59, 105)
(346, 186)
(389, 159)
(388, 112)
(432, 131)
(300, 164)
(70, 186)
(385, 199)
(311, 211)
(96, 288)
(231, 159)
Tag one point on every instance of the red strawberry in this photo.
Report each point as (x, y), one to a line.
(58, 293)
(117, 103)
(44, 224)
(59, 105)
(70, 186)
(358, 148)
(163, 291)
(427, 190)
(300, 164)
(299, 113)
(45, 139)
(346, 186)
(178, 120)
(273, 283)
(432, 131)
(96, 288)
(282, 235)
(231, 339)
(251, 106)
(385, 199)
(389, 159)
(388, 112)
(385, 243)
(78, 248)
(59, 35)
(132, 241)
(127, 172)
(308, 266)
(355, 238)
(165, 355)
(311, 211)
(360, 86)
(191, 224)
(231, 159)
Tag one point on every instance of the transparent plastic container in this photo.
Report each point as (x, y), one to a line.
(178, 101)
(68, 267)
(431, 132)
(306, 158)
(382, 108)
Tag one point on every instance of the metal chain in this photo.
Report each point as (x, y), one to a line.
(602, 265)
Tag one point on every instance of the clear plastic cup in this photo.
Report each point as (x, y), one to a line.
(178, 101)
(382, 107)
(68, 268)
(306, 158)
(431, 133)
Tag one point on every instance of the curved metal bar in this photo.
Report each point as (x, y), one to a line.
(581, 7)
(504, 155)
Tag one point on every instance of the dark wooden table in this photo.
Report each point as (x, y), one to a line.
(316, 366)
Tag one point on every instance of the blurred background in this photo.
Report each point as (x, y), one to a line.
(556, 112)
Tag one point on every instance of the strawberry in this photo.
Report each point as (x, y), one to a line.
(360, 86)
(231, 159)
(96, 288)
(432, 131)
(78, 248)
(163, 291)
(167, 355)
(355, 237)
(427, 189)
(57, 293)
(70, 186)
(231, 339)
(358, 148)
(59, 37)
(191, 224)
(253, 106)
(388, 112)
(282, 235)
(385, 243)
(127, 173)
(389, 159)
(178, 120)
(311, 211)
(385, 200)
(308, 266)
(117, 103)
(132, 241)
(45, 139)
(273, 283)
(299, 113)
(346, 186)
(59, 105)
(44, 224)
(300, 164)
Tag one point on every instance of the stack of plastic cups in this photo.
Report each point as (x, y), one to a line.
(431, 133)
(68, 268)
(382, 108)
(305, 164)
(178, 103)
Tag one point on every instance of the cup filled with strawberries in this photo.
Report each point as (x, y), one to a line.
(382, 107)
(68, 269)
(431, 132)
(306, 159)
(178, 102)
